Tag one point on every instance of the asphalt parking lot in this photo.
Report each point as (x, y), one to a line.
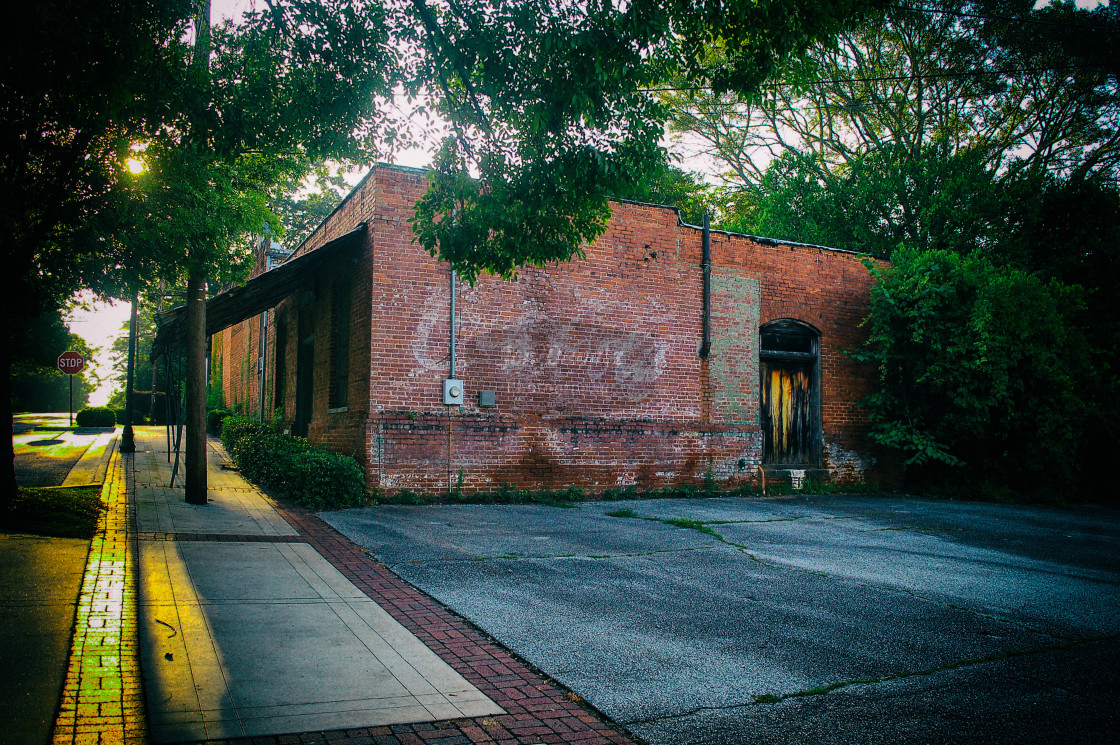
(800, 619)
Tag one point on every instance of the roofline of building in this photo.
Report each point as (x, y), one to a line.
(756, 238)
(762, 240)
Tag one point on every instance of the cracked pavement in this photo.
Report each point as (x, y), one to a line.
(796, 619)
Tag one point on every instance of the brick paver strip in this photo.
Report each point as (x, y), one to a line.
(221, 538)
(102, 699)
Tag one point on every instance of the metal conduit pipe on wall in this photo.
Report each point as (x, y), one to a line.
(706, 339)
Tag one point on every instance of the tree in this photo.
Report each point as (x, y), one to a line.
(1066, 229)
(552, 109)
(300, 211)
(980, 367)
(267, 96)
(996, 78)
(549, 105)
(879, 201)
(37, 383)
(255, 104)
(71, 104)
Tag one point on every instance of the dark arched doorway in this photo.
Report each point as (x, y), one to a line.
(789, 365)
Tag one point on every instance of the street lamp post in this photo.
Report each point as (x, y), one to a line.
(128, 441)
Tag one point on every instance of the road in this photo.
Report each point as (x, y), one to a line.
(47, 447)
(800, 619)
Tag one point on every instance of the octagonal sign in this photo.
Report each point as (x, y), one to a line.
(71, 362)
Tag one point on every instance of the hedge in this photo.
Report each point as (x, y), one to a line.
(96, 416)
(137, 417)
(214, 419)
(314, 477)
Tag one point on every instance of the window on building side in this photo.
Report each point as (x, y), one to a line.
(280, 373)
(340, 348)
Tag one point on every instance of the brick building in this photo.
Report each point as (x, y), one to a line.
(593, 373)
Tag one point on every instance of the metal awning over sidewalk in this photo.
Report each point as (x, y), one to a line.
(257, 295)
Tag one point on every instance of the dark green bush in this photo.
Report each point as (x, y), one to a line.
(96, 416)
(404, 496)
(214, 419)
(316, 478)
(321, 480)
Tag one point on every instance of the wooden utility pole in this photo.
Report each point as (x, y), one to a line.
(195, 341)
(155, 367)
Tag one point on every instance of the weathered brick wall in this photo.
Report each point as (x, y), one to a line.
(830, 290)
(342, 428)
(594, 363)
(233, 359)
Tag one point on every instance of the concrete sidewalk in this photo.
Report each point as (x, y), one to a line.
(40, 579)
(39, 582)
(246, 630)
(251, 618)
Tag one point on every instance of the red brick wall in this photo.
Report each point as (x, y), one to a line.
(830, 290)
(594, 363)
(233, 361)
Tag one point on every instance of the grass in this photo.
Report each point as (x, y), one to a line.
(679, 522)
(682, 522)
(48, 447)
(774, 698)
(505, 494)
(61, 512)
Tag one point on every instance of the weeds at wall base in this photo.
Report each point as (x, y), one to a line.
(572, 496)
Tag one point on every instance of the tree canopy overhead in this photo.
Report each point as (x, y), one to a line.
(553, 109)
(548, 101)
(994, 77)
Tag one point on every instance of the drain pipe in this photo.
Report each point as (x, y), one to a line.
(262, 355)
(450, 440)
(706, 340)
(454, 283)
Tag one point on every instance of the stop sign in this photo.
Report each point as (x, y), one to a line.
(71, 363)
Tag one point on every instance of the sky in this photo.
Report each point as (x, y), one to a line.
(100, 322)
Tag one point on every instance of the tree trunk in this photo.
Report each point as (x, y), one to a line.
(195, 342)
(155, 368)
(8, 457)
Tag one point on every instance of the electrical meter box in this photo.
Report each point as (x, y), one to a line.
(452, 392)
